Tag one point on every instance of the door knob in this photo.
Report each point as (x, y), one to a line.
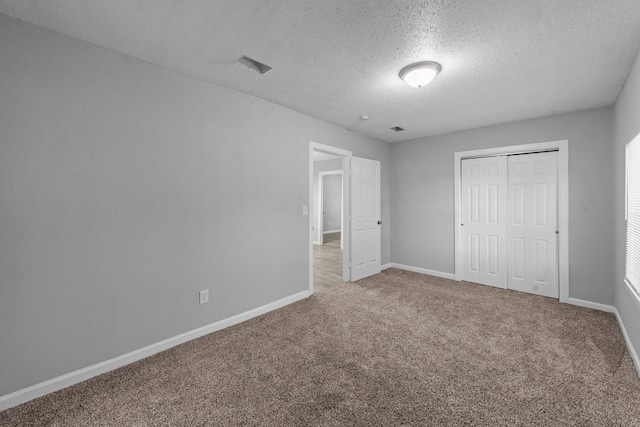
(379, 222)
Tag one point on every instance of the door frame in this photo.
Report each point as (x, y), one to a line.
(562, 146)
(346, 206)
(320, 224)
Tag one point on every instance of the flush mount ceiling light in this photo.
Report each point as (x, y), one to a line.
(420, 74)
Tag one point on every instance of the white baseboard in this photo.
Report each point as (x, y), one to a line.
(21, 396)
(632, 350)
(589, 304)
(610, 309)
(422, 271)
(385, 266)
(331, 231)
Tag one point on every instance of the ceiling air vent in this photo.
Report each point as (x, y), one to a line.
(397, 129)
(252, 64)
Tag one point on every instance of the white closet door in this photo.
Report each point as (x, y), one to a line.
(484, 230)
(533, 248)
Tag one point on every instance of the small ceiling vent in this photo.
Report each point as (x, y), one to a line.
(252, 64)
(397, 129)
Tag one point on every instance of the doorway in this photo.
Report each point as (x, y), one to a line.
(327, 211)
(329, 216)
(361, 235)
(503, 262)
(324, 158)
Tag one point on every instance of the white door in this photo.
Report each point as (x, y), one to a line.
(484, 221)
(533, 248)
(365, 218)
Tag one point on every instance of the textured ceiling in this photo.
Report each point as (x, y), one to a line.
(337, 60)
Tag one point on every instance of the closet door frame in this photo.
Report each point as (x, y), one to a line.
(562, 146)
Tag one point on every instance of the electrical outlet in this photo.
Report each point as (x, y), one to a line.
(204, 296)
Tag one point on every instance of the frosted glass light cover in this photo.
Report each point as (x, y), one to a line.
(420, 74)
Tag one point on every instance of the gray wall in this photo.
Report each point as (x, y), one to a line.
(422, 231)
(126, 188)
(332, 202)
(627, 126)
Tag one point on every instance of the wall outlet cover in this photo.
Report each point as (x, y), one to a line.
(204, 296)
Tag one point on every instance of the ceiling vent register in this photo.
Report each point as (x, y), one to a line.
(252, 64)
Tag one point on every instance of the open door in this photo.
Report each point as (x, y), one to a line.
(365, 218)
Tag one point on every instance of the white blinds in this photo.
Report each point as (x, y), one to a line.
(632, 269)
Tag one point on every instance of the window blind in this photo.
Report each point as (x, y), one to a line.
(632, 213)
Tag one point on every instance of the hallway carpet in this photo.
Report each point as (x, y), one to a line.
(398, 348)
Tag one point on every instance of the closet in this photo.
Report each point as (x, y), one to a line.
(509, 222)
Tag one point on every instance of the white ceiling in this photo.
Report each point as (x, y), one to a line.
(337, 60)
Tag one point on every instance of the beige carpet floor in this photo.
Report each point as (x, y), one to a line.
(398, 348)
